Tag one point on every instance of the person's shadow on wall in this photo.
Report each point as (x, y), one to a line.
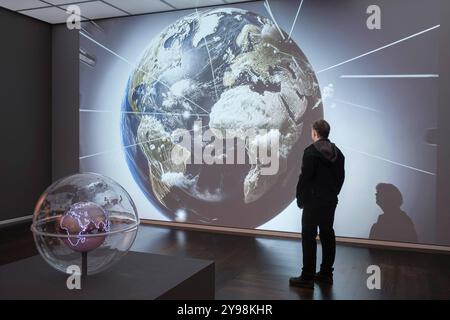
(393, 224)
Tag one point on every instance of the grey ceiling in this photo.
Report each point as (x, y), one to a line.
(54, 11)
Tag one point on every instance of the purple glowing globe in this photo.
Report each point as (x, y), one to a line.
(87, 220)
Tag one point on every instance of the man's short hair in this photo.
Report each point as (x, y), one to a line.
(322, 128)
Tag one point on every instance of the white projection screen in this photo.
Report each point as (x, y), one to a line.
(275, 66)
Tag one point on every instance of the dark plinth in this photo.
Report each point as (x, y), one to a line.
(135, 276)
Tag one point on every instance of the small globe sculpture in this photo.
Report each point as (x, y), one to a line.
(85, 219)
(221, 70)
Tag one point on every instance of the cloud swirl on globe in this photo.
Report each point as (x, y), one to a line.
(231, 69)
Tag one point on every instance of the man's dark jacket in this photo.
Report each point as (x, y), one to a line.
(322, 174)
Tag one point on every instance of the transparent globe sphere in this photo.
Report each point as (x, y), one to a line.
(85, 219)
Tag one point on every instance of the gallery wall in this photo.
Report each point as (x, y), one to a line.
(443, 165)
(25, 113)
(385, 126)
(37, 57)
(65, 101)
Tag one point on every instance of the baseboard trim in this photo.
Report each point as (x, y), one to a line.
(295, 235)
(269, 233)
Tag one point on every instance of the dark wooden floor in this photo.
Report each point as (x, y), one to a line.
(259, 268)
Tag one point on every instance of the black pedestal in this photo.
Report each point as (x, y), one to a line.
(135, 276)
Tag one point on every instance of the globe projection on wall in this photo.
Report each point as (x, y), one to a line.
(222, 69)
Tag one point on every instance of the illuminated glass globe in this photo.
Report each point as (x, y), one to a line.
(87, 220)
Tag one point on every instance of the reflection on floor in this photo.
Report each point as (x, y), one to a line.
(259, 268)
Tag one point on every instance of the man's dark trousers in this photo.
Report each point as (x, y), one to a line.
(318, 216)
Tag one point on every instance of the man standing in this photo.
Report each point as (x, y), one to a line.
(320, 182)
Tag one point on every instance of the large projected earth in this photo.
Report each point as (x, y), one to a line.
(233, 70)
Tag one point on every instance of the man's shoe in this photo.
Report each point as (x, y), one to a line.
(302, 282)
(324, 278)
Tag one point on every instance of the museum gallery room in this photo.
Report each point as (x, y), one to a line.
(225, 150)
